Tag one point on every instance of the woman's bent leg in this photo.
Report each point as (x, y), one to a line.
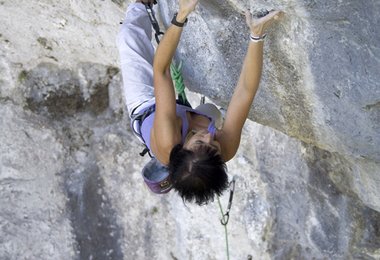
(136, 57)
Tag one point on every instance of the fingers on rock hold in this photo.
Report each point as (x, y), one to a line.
(262, 13)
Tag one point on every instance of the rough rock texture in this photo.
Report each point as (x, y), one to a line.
(321, 75)
(70, 184)
(33, 218)
(320, 82)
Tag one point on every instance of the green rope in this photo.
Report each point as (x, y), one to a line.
(176, 73)
(225, 229)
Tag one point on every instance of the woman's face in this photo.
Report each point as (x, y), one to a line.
(201, 137)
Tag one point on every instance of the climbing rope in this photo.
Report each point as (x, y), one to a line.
(176, 74)
(225, 229)
(179, 85)
(226, 215)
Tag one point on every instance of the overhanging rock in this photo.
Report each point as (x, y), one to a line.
(320, 81)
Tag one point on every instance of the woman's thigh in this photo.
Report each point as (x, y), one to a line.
(136, 57)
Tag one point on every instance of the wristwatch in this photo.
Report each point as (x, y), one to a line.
(176, 23)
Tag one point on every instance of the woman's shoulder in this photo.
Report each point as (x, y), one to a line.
(163, 139)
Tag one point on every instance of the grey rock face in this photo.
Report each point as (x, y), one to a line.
(309, 207)
(33, 219)
(301, 94)
(350, 95)
(70, 174)
(321, 77)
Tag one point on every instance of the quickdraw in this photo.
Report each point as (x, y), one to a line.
(154, 22)
(226, 216)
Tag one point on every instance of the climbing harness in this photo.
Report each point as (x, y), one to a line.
(136, 123)
(226, 215)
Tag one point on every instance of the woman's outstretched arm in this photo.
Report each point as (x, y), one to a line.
(246, 88)
(163, 85)
(166, 131)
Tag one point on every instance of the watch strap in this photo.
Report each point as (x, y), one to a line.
(176, 23)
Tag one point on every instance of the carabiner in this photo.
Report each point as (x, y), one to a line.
(226, 216)
(224, 221)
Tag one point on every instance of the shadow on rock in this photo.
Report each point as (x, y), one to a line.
(58, 92)
(93, 219)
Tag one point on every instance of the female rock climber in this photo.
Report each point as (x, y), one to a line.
(184, 139)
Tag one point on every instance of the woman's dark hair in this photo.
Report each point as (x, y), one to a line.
(197, 175)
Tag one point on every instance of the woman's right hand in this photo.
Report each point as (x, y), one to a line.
(185, 8)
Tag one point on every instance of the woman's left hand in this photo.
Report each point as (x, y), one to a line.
(259, 26)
